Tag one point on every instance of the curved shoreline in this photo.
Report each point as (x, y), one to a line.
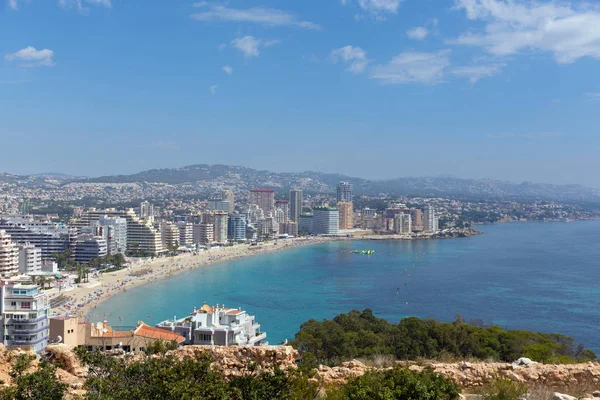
(89, 296)
(109, 284)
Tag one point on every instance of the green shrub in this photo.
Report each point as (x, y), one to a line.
(362, 335)
(399, 384)
(503, 389)
(41, 384)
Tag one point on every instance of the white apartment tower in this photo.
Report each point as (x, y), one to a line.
(30, 258)
(282, 211)
(326, 221)
(186, 233)
(402, 224)
(9, 256)
(430, 222)
(295, 205)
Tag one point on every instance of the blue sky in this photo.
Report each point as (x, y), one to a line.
(502, 89)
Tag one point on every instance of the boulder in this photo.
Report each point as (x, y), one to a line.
(561, 396)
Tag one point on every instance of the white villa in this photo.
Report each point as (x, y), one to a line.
(217, 326)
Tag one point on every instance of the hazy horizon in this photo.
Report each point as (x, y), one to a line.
(298, 172)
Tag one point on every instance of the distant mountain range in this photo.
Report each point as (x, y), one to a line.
(317, 182)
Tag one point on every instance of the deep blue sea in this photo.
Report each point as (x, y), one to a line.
(536, 276)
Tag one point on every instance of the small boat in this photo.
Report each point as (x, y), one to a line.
(364, 252)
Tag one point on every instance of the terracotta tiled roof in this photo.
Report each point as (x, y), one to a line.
(157, 333)
(234, 312)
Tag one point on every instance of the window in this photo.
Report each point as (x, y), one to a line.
(13, 303)
(204, 338)
(26, 304)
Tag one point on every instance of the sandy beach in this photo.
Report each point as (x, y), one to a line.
(88, 295)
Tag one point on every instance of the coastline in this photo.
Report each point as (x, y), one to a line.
(86, 297)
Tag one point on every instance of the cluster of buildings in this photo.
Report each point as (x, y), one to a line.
(25, 323)
(216, 326)
(28, 244)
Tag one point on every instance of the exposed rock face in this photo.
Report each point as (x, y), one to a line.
(470, 375)
(234, 360)
(342, 373)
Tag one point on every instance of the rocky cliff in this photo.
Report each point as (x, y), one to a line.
(234, 361)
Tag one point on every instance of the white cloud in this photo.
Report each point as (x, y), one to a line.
(356, 56)
(250, 46)
(418, 33)
(247, 45)
(259, 15)
(13, 5)
(32, 57)
(105, 3)
(222, 46)
(79, 4)
(421, 32)
(567, 32)
(377, 7)
(476, 72)
(213, 89)
(228, 70)
(413, 67)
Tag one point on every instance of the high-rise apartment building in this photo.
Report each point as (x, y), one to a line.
(346, 211)
(265, 199)
(430, 222)
(344, 192)
(142, 236)
(114, 231)
(186, 233)
(229, 196)
(147, 211)
(236, 227)
(295, 205)
(282, 211)
(9, 255)
(50, 237)
(204, 233)
(326, 221)
(268, 226)
(417, 219)
(24, 315)
(88, 247)
(219, 222)
(30, 258)
(169, 233)
(306, 223)
(402, 224)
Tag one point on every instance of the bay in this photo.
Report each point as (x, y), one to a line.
(535, 276)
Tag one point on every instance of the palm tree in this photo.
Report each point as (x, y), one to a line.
(42, 281)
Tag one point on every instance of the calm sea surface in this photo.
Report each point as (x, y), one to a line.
(535, 276)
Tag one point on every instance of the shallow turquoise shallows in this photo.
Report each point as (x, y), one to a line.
(536, 276)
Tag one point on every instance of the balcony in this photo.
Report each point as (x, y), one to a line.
(256, 339)
(26, 321)
(27, 331)
(26, 342)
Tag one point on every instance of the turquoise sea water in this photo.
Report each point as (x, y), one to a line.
(535, 276)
